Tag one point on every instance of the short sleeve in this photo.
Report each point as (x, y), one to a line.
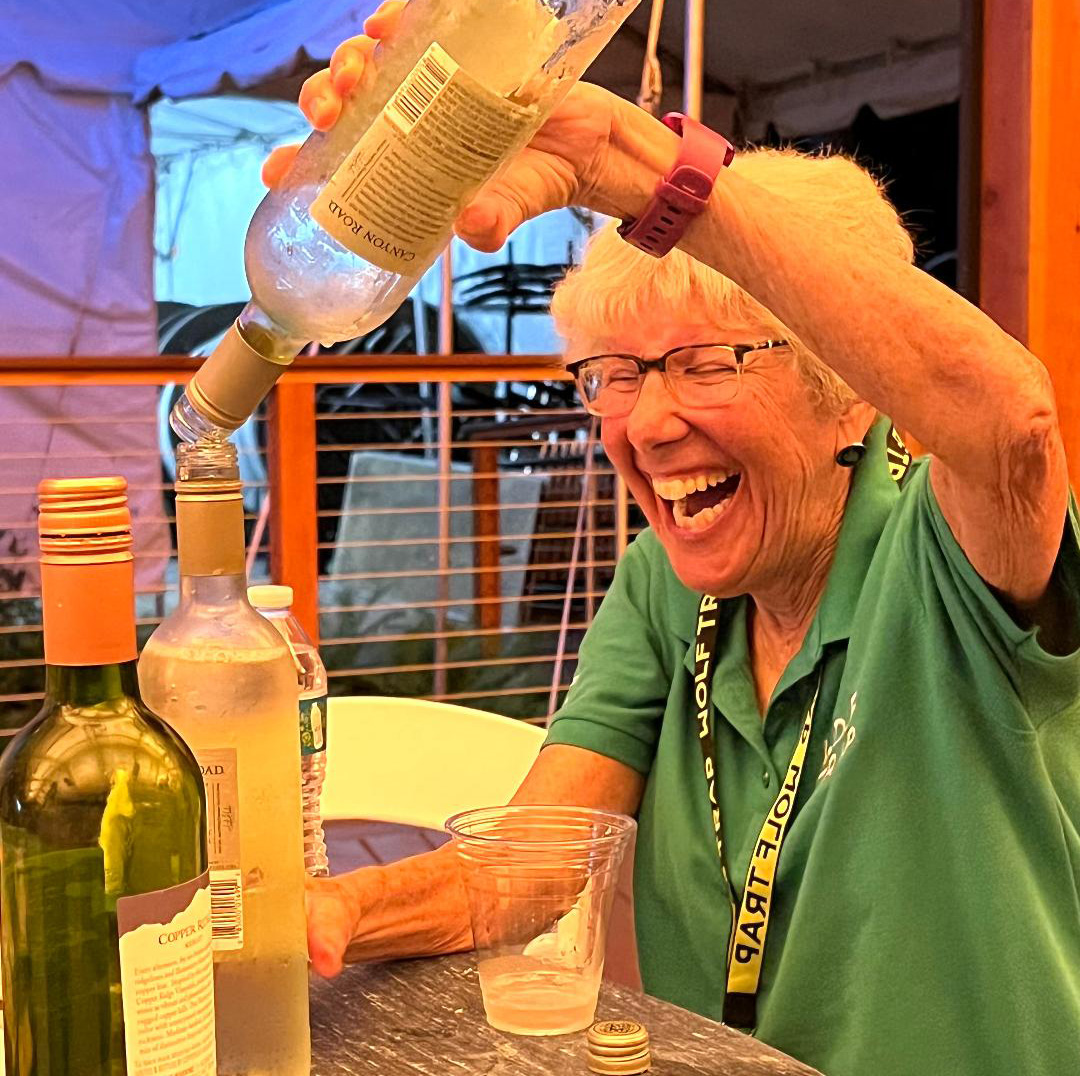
(616, 702)
(1046, 683)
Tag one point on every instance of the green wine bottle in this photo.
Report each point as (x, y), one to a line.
(105, 923)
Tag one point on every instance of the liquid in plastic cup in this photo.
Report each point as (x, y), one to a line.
(540, 883)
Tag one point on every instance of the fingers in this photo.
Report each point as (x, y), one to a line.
(321, 94)
(348, 62)
(328, 929)
(277, 164)
(319, 101)
(383, 21)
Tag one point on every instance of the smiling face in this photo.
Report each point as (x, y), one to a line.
(746, 497)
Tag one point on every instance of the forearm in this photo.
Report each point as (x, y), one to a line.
(418, 906)
(888, 329)
(415, 907)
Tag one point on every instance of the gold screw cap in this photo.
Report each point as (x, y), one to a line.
(618, 1048)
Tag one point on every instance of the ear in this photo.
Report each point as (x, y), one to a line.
(853, 424)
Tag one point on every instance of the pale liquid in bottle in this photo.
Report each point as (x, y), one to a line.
(209, 702)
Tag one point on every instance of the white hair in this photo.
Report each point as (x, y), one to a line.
(615, 283)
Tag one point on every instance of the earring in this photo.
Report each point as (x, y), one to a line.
(850, 455)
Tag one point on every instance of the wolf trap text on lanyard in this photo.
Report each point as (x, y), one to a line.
(750, 917)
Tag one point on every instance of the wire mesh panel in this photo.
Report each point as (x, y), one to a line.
(64, 432)
(463, 534)
(457, 563)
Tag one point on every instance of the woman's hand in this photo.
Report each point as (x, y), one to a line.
(331, 918)
(568, 161)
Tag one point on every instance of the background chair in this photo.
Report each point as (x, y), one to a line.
(416, 762)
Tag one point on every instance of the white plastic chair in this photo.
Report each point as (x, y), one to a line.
(416, 762)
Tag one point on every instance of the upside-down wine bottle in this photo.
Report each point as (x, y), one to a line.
(367, 207)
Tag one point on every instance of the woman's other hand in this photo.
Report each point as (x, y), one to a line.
(570, 160)
(331, 918)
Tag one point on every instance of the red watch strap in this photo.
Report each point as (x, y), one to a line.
(684, 191)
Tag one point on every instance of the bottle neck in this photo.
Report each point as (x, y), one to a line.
(213, 589)
(210, 544)
(90, 685)
(88, 610)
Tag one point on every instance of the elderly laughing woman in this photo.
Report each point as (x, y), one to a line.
(873, 658)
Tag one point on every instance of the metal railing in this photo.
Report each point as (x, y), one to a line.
(428, 552)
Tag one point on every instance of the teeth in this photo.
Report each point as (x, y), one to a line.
(701, 520)
(674, 489)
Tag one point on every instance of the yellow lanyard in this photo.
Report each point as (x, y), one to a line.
(750, 916)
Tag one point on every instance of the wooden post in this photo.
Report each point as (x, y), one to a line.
(294, 530)
(1053, 298)
(1029, 264)
(1006, 117)
(485, 496)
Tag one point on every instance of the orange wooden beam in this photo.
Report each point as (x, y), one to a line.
(313, 370)
(294, 535)
(1004, 172)
(485, 493)
(1030, 207)
(1053, 295)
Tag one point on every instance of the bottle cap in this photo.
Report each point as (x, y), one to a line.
(618, 1047)
(84, 515)
(268, 596)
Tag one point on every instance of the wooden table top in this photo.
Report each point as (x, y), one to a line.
(427, 1017)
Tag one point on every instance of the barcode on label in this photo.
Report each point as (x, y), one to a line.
(418, 92)
(227, 909)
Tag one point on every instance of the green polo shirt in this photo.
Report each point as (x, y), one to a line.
(926, 918)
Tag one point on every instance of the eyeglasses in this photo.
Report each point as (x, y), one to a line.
(697, 375)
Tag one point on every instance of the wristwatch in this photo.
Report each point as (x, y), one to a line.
(684, 192)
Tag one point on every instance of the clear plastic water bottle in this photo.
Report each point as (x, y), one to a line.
(274, 603)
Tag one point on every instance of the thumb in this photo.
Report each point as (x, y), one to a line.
(527, 188)
(328, 933)
(487, 221)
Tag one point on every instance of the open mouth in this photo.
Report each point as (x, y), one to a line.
(697, 501)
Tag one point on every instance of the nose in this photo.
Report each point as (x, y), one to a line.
(655, 419)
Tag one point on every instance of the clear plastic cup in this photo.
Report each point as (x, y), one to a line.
(540, 883)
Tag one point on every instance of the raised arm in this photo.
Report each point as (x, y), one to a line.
(979, 401)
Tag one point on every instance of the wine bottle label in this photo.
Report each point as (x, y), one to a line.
(313, 725)
(394, 198)
(167, 981)
(218, 767)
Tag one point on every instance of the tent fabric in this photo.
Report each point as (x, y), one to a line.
(76, 277)
(267, 44)
(92, 47)
(830, 104)
(76, 269)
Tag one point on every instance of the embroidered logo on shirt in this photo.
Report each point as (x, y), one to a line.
(843, 736)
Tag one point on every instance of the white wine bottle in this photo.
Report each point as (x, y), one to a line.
(224, 678)
(106, 901)
(367, 207)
